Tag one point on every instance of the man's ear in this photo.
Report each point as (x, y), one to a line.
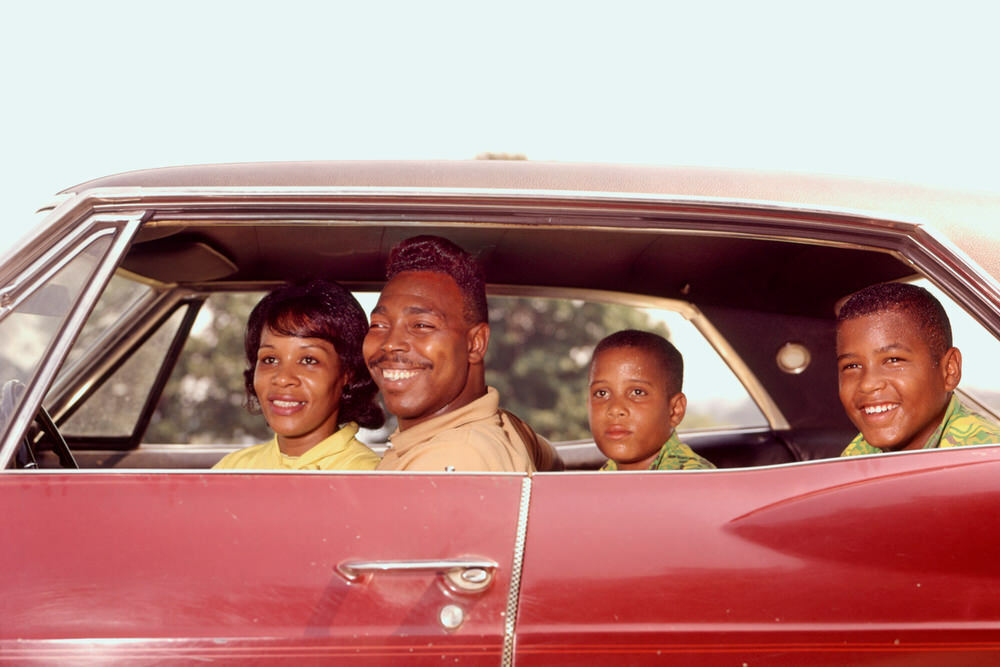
(478, 339)
(678, 407)
(951, 368)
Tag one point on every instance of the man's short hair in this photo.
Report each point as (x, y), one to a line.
(667, 356)
(915, 302)
(439, 255)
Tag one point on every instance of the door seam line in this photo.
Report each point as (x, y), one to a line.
(514, 592)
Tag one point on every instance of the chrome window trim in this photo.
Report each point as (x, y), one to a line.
(25, 283)
(121, 229)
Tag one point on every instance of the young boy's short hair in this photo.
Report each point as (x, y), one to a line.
(661, 349)
(917, 303)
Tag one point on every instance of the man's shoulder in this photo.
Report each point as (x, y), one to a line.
(481, 432)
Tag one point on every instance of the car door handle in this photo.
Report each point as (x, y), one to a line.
(466, 575)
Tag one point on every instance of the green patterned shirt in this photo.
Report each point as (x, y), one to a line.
(959, 427)
(674, 455)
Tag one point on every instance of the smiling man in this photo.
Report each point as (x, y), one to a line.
(425, 349)
(898, 371)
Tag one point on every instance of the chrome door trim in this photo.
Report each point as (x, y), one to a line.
(514, 592)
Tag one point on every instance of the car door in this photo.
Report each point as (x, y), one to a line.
(874, 560)
(297, 567)
(146, 566)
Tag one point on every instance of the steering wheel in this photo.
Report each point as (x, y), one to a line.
(59, 447)
(10, 394)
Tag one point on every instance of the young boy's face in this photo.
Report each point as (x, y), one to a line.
(890, 384)
(632, 412)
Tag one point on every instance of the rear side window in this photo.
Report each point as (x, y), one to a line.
(979, 353)
(539, 359)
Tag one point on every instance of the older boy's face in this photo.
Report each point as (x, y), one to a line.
(632, 414)
(890, 385)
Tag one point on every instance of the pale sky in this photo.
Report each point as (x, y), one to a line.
(899, 90)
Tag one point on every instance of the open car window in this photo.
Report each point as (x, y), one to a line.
(31, 328)
(980, 350)
(538, 359)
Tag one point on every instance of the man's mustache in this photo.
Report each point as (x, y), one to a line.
(399, 360)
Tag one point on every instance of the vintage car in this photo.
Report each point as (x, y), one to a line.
(120, 545)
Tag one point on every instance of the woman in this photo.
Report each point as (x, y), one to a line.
(306, 375)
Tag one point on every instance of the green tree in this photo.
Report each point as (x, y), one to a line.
(204, 398)
(539, 357)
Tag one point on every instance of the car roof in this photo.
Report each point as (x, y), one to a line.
(966, 218)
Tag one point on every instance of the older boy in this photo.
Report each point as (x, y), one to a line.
(898, 371)
(635, 403)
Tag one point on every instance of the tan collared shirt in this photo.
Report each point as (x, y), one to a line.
(471, 438)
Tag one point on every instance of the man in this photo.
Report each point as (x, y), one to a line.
(898, 371)
(425, 350)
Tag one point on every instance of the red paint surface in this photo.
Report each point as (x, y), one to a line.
(230, 566)
(884, 560)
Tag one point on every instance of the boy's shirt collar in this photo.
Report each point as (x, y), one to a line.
(673, 455)
(959, 427)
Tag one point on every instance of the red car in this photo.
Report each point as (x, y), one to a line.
(121, 546)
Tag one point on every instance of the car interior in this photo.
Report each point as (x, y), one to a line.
(749, 290)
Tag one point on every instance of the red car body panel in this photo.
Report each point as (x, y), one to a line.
(116, 564)
(823, 563)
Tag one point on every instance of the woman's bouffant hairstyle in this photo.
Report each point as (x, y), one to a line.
(915, 302)
(319, 309)
(439, 255)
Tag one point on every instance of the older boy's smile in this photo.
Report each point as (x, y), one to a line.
(891, 385)
(879, 409)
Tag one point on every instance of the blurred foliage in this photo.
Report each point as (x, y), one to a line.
(204, 398)
(539, 355)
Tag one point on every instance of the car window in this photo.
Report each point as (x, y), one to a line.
(29, 330)
(126, 389)
(538, 359)
(979, 350)
(204, 397)
(118, 298)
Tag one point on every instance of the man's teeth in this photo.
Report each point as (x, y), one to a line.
(287, 404)
(876, 409)
(393, 374)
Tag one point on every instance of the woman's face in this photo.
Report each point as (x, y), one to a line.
(298, 382)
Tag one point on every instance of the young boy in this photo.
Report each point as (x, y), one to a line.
(897, 373)
(635, 402)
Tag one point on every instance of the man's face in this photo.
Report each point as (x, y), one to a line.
(632, 413)
(891, 386)
(419, 347)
